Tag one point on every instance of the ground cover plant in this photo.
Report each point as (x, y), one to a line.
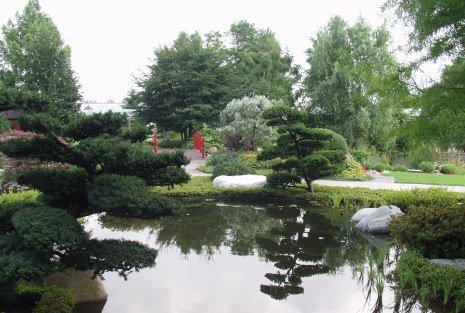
(429, 282)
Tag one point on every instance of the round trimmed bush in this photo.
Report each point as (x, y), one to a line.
(380, 167)
(400, 168)
(426, 167)
(449, 169)
(232, 167)
(221, 157)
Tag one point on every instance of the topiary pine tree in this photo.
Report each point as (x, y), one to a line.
(103, 173)
(307, 153)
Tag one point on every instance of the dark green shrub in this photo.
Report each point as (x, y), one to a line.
(4, 124)
(400, 168)
(87, 126)
(450, 169)
(436, 197)
(118, 156)
(171, 144)
(361, 156)
(40, 123)
(282, 179)
(61, 188)
(443, 284)
(135, 132)
(128, 196)
(437, 232)
(426, 167)
(231, 167)
(118, 195)
(161, 206)
(380, 167)
(48, 299)
(221, 157)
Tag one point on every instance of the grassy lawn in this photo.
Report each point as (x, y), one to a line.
(430, 179)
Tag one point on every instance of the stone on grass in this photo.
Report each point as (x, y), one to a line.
(376, 220)
(240, 181)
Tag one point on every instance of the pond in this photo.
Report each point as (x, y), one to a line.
(223, 256)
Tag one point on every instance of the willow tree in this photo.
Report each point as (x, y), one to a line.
(353, 83)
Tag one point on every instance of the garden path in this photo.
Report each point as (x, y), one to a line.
(378, 182)
(196, 161)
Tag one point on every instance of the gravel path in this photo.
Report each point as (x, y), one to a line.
(196, 161)
(383, 182)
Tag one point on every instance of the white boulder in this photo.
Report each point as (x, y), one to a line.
(240, 181)
(362, 213)
(376, 220)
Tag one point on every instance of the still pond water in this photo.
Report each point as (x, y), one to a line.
(250, 257)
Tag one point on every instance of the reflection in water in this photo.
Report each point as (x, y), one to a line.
(298, 249)
(257, 254)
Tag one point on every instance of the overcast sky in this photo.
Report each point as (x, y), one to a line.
(113, 40)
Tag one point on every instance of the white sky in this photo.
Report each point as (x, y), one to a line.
(112, 40)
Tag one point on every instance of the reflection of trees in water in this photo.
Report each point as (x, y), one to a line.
(298, 249)
(300, 243)
(203, 228)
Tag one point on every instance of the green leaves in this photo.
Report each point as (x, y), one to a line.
(307, 153)
(121, 256)
(186, 84)
(438, 26)
(87, 126)
(352, 83)
(46, 229)
(35, 58)
(242, 124)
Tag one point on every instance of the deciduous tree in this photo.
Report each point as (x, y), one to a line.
(353, 82)
(186, 84)
(259, 65)
(34, 60)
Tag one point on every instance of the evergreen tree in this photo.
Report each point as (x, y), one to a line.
(305, 153)
(99, 172)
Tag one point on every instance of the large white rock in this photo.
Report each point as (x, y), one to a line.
(376, 220)
(240, 181)
(362, 213)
